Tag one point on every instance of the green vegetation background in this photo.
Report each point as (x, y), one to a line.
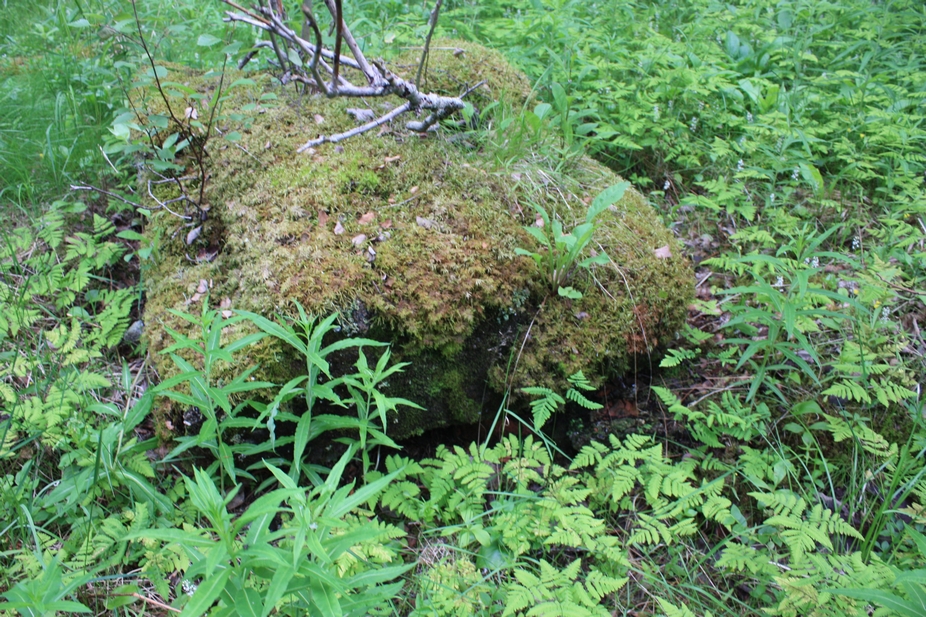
(782, 142)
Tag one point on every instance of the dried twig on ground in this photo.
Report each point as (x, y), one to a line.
(380, 81)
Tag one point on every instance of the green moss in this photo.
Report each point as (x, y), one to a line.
(455, 65)
(425, 259)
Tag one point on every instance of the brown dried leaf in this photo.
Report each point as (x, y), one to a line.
(227, 314)
(663, 252)
(225, 303)
(322, 218)
(386, 224)
(203, 286)
(539, 222)
(367, 218)
(206, 256)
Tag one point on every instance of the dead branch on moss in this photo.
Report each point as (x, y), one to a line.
(314, 59)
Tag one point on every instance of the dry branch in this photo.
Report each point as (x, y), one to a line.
(380, 81)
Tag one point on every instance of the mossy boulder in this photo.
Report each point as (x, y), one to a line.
(410, 239)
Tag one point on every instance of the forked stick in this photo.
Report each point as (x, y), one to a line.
(380, 81)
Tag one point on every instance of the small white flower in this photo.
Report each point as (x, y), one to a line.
(693, 125)
(772, 198)
(666, 186)
(795, 173)
(749, 117)
(188, 587)
(656, 113)
(700, 105)
(740, 166)
(815, 262)
(856, 243)
(671, 103)
(780, 281)
(313, 526)
(885, 313)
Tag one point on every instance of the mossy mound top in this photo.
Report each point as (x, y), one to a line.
(412, 240)
(454, 66)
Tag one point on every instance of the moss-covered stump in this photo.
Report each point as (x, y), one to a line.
(410, 240)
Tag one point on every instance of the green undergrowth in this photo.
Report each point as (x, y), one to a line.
(413, 240)
(787, 475)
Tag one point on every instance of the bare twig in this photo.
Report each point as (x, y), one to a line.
(333, 139)
(427, 41)
(380, 81)
(166, 607)
(87, 187)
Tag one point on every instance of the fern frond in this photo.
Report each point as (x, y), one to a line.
(544, 407)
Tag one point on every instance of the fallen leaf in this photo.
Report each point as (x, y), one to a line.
(267, 145)
(190, 113)
(194, 233)
(371, 254)
(458, 52)
(367, 218)
(203, 286)
(391, 159)
(322, 218)
(319, 119)
(338, 228)
(358, 239)
(663, 252)
(539, 222)
(516, 176)
(413, 190)
(227, 314)
(386, 224)
(426, 223)
(205, 255)
(225, 303)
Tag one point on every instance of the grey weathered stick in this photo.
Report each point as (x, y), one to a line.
(363, 128)
(427, 41)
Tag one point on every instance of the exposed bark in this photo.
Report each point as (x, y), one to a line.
(380, 81)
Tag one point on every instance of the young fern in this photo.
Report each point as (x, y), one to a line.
(549, 401)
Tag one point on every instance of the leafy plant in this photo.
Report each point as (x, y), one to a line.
(544, 407)
(561, 251)
(215, 401)
(296, 569)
